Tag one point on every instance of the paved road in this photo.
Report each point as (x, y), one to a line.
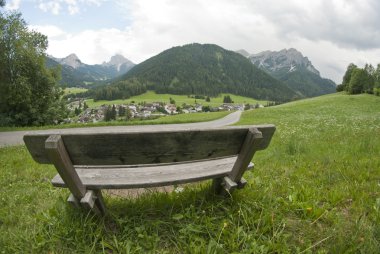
(15, 137)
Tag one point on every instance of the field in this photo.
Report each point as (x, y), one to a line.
(151, 96)
(74, 90)
(316, 189)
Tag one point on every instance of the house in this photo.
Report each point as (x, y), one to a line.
(132, 108)
(171, 109)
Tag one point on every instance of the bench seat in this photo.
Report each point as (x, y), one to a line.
(97, 177)
(89, 162)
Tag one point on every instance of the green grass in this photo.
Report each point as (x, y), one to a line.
(316, 189)
(74, 90)
(151, 96)
(169, 119)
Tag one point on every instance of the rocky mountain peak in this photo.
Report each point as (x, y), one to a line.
(285, 59)
(243, 52)
(117, 61)
(71, 60)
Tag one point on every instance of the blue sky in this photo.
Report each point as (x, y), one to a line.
(83, 15)
(331, 33)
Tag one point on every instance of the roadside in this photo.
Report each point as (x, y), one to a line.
(13, 138)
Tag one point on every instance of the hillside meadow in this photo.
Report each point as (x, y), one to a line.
(74, 90)
(151, 96)
(316, 189)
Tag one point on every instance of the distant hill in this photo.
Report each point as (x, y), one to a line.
(207, 70)
(76, 73)
(243, 52)
(291, 67)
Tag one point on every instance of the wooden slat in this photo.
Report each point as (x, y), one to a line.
(56, 151)
(127, 148)
(154, 176)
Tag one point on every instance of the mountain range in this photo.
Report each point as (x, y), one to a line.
(77, 73)
(207, 69)
(204, 69)
(292, 68)
(198, 69)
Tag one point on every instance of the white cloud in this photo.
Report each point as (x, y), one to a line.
(331, 33)
(13, 5)
(53, 32)
(71, 6)
(51, 6)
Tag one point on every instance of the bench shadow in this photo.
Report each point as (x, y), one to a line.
(163, 202)
(184, 213)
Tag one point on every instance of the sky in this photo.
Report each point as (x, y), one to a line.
(331, 33)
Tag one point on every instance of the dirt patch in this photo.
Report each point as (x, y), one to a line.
(134, 193)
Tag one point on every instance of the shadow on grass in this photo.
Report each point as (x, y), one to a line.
(193, 220)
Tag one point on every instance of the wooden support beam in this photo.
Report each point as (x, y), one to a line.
(58, 155)
(242, 183)
(93, 201)
(73, 201)
(216, 186)
(99, 202)
(228, 184)
(250, 146)
(88, 202)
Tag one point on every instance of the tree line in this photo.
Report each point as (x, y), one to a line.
(29, 92)
(361, 80)
(120, 90)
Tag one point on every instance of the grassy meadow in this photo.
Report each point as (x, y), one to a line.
(316, 189)
(74, 90)
(151, 96)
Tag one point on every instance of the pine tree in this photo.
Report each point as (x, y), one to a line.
(107, 114)
(113, 112)
(128, 114)
(227, 99)
(121, 110)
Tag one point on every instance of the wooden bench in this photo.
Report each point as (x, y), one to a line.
(89, 162)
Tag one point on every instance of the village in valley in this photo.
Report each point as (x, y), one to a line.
(82, 113)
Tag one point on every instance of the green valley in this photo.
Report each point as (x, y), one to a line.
(151, 96)
(314, 190)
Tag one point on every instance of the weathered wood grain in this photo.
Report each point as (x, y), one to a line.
(73, 201)
(250, 146)
(154, 176)
(87, 163)
(88, 202)
(55, 150)
(128, 148)
(228, 184)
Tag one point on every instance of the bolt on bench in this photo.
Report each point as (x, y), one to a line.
(89, 162)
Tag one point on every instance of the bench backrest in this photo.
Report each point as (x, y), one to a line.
(133, 148)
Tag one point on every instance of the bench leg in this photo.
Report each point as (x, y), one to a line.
(93, 200)
(216, 186)
(243, 162)
(99, 202)
(73, 201)
(226, 185)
